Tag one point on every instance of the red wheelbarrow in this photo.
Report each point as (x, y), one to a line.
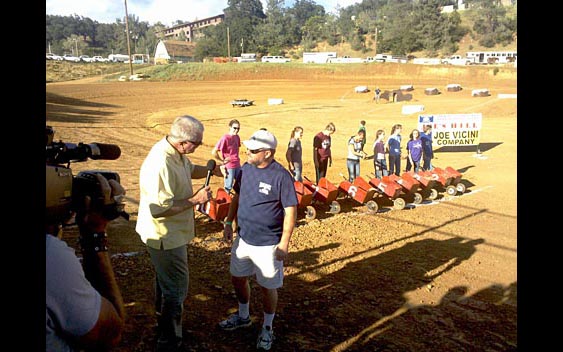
(449, 179)
(305, 198)
(324, 192)
(390, 190)
(427, 184)
(217, 208)
(410, 186)
(361, 191)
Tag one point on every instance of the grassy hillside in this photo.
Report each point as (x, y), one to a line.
(64, 71)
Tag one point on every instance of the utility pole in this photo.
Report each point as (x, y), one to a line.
(375, 41)
(128, 43)
(228, 44)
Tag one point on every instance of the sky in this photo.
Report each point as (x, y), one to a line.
(152, 11)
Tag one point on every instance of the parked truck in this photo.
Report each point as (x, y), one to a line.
(458, 60)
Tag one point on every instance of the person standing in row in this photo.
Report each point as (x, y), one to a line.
(394, 148)
(227, 152)
(379, 161)
(265, 207)
(355, 153)
(294, 154)
(409, 164)
(427, 152)
(363, 128)
(165, 221)
(322, 156)
(414, 150)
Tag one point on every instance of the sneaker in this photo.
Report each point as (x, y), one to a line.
(265, 338)
(234, 322)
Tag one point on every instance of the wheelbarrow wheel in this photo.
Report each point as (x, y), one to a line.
(310, 213)
(334, 207)
(372, 207)
(433, 194)
(451, 190)
(399, 204)
(417, 198)
(460, 187)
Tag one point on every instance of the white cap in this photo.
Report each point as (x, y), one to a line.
(261, 139)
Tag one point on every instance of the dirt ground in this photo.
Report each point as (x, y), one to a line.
(439, 276)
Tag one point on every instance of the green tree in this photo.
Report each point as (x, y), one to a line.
(242, 18)
(272, 34)
(492, 24)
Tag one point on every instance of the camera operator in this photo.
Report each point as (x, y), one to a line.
(84, 305)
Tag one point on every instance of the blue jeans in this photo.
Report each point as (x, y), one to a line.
(427, 163)
(297, 172)
(353, 169)
(395, 164)
(381, 169)
(416, 166)
(171, 289)
(230, 179)
(321, 170)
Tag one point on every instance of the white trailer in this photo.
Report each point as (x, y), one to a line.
(390, 58)
(345, 60)
(492, 57)
(118, 57)
(322, 57)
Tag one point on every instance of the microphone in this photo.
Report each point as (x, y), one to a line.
(61, 152)
(104, 151)
(210, 167)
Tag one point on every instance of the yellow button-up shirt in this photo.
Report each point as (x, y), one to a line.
(165, 176)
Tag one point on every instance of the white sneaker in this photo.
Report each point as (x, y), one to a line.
(265, 338)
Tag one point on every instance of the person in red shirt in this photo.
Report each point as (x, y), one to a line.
(322, 156)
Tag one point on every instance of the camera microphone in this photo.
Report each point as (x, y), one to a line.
(60, 152)
(104, 151)
(210, 167)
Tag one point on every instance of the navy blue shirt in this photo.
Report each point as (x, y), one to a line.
(394, 143)
(263, 195)
(427, 144)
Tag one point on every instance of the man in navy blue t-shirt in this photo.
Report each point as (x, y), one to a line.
(265, 207)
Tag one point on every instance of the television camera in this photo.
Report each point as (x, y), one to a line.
(65, 192)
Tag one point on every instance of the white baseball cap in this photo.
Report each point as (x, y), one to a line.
(261, 139)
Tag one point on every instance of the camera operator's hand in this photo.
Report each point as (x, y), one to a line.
(90, 218)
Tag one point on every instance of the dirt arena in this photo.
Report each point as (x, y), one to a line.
(440, 276)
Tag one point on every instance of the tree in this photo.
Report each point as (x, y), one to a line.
(242, 17)
(272, 34)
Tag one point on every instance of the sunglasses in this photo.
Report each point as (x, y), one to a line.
(197, 144)
(256, 151)
(235, 128)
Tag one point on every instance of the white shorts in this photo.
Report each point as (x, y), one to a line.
(247, 260)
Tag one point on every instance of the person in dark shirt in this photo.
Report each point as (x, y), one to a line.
(427, 152)
(265, 209)
(322, 156)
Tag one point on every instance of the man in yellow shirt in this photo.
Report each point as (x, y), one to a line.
(166, 220)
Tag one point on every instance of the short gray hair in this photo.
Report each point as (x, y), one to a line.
(186, 128)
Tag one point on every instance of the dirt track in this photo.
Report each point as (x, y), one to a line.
(437, 276)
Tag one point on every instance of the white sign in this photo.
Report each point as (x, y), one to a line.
(453, 129)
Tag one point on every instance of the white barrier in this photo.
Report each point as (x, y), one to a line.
(507, 96)
(411, 109)
(361, 89)
(275, 101)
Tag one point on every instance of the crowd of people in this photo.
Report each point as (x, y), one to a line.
(84, 305)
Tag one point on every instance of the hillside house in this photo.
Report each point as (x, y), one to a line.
(191, 31)
(173, 51)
